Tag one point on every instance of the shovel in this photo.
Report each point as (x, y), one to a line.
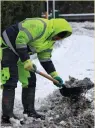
(65, 91)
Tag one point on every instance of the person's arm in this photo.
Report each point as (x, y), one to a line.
(22, 50)
(49, 68)
(21, 46)
(47, 64)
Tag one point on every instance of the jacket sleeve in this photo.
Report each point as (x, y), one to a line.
(21, 46)
(46, 62)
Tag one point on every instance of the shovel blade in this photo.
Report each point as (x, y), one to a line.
(67, 92)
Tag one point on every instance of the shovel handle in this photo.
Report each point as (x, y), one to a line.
(47, 76)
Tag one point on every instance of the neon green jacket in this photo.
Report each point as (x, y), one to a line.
(37, 33)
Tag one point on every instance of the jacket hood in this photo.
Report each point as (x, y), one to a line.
(61, 25)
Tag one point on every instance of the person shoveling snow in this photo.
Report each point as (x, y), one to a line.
(19, 41)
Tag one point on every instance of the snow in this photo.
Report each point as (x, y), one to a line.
(73, 56)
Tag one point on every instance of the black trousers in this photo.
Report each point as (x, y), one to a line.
(10, 60)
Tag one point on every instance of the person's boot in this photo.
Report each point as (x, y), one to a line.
(7, 104)
(8, 116)
(28, 101)
(5, 120)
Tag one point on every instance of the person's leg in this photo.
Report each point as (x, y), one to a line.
(28, 98)
(9, 62)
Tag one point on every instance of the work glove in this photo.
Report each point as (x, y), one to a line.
(59, 80)
(29, 66)
(55, 76)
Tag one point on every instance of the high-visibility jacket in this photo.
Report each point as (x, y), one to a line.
(37, 33)
(34, 35)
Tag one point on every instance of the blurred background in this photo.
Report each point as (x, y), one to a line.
(15, 11)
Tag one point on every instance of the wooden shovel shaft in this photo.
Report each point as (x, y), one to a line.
(47, 76)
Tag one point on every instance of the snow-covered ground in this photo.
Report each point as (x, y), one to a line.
(73, 56)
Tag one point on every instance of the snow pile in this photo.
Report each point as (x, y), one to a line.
(64, 112)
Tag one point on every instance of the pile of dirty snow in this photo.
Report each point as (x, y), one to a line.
(64, 112)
